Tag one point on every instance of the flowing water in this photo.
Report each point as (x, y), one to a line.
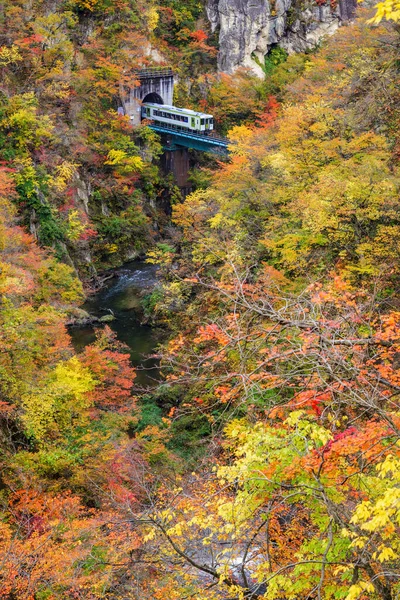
(122, 296)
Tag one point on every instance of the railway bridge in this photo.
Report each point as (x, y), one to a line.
(175, 138)
(157, 86)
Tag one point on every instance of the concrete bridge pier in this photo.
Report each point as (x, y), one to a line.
(177, 163)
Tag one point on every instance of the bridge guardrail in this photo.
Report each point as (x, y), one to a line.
(211, 139)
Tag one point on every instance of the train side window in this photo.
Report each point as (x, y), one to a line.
(202, 121)
(186, 119)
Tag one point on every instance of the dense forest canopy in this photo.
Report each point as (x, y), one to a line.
(265, 462)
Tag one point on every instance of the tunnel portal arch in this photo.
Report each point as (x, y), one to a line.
(154, 98)
(156, 85)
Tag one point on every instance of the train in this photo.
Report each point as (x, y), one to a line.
(179, 118)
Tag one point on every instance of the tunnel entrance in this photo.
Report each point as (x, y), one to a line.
(154, 98)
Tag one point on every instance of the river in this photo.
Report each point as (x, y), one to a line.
(122, 295)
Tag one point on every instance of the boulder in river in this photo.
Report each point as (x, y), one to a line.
(106, 319)
(78, 317)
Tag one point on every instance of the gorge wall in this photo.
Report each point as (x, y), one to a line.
(248, 28)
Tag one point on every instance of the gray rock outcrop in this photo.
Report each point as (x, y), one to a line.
(249, 28)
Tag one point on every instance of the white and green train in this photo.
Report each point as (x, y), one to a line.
(179, 118)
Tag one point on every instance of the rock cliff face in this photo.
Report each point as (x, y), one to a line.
(248, 28)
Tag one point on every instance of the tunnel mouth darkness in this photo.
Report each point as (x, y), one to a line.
(154, 98)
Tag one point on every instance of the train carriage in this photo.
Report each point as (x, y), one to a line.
(178, 118)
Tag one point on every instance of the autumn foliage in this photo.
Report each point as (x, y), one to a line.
(265, 464)
(288, 272)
